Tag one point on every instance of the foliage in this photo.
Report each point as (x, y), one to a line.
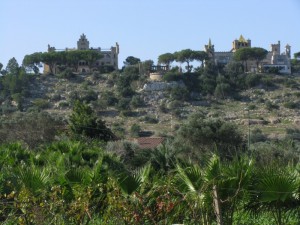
(63, 59)
(166, 58)
(72, 182)
(84, 122)
(245, 54)
(203, 134)
(31, 129)
(188, 55)
(41, 103)
(135, 130)
(137, 101)
(12, 66)
(179, 93)
(131, 60)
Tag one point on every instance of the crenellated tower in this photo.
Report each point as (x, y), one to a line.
(83, 43)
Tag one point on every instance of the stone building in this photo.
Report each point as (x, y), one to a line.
(110, 56)
(274, 58)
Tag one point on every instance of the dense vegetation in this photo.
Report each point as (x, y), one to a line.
(74, 169)
(70, 182)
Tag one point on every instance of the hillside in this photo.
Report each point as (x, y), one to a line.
(272, 108)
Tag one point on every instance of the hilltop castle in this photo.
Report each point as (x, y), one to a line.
(274, 58)
(110, 56)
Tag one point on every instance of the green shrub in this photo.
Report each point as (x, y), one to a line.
(41, 103)
(252, 107)
(89, 95)
(291, 105)
(291, 83)
(162, 107)
(172, 76)
(270, 106)
(67, 73)
(174, 104)
(109, 98)
(180, 93)
(297, 94)
(137, 101)
(149, 119)
(135, 130)
(257, 136)
(124, 104)
(252, 80)
(63, 104)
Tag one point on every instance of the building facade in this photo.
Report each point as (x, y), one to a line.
(110, 56)
(274, 59)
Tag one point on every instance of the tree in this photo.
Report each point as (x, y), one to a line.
(200, 56)
(145, 66)
(12, 66)
(32, 62)
(84, 122)
(131, 61)
(258, 54)
(203, 134)
(243, 54)
(73, 58)
(297, 55)
(91, 56)
(274, 190)
(166, 59)
(185, 56)
(50, 58)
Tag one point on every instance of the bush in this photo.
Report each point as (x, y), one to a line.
(30, 128)
(257, 136)
(63, 104)
(109, 98)
(118, 129)
(174, 104)
(89, 95)
(137, 101)
(179, 93)
(252, 80)
(83, 122)
(67, 73)
(293, 134)
(162, 107)
(290, 83)
(290, 105)
(251, 107)
(124, 104)
(172, 76)
(41, 103)
(135, 130)
(149, 119)
(270, 106)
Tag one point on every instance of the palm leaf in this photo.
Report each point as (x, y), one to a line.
(34, 180)
(128, 183)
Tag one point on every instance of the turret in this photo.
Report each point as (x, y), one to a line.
(83, 43)
(275, 48)
(288, 50)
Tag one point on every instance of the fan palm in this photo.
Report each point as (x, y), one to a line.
(274, 190)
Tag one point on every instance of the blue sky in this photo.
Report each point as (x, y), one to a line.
(144, 28)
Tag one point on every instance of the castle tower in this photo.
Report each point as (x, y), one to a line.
(241, 43)
(210, 49)
(288, 50)
(275, 48)
(83, 43)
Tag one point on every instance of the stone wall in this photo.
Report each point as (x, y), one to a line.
(162, 86)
